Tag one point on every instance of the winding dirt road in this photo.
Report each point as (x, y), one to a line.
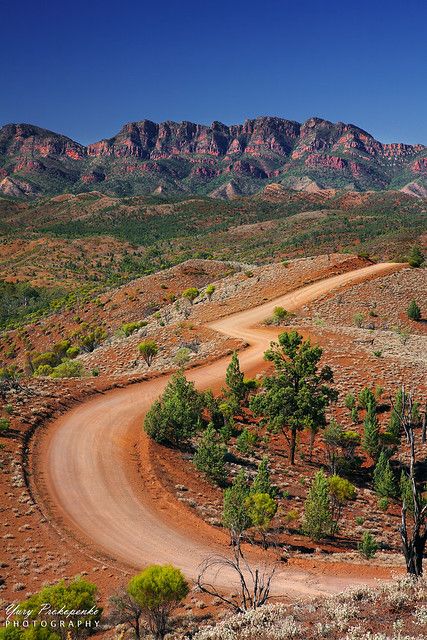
(98, 491)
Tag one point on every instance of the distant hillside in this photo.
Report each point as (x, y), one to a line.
(222, 161)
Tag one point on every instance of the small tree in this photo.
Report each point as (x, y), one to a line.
(190, 294)
(371, 431)
(317, 511)
(365, 398)
(262, 481)
(89, 341)
(384, 480)
(209, 456)
(368, 546)
(341, 447)
(177, 415)
(261, 509)
(235, 379)
(148, 350)
(246, 442)
(340, 491)
(235, 514)
(415, 258)
(333, 436)
(350, 401)
(158, 590)
(414, 311)
(358, 319)
(210, 290)
(296, 396)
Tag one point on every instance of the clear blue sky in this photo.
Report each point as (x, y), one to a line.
(84, 68)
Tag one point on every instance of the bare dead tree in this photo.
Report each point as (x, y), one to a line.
(414, 536)
(125, 610)
(424, 425)
(254, 582)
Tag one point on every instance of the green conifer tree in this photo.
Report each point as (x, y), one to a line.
(414, 311)
(235, 515)
(262, 481)
(235, 379)
(384, 480)
(209, 456)
(371, 431)
(317, 509)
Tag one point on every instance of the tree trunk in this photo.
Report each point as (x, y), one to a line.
(293, 444)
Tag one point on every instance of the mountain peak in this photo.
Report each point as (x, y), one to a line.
(225, 160)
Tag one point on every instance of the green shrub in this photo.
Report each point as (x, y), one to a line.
(368, 546)
(414, 311)
(210, 290)
(4, 425)
(92, 339)
(130, 327)
(60, 348)
(72, 352)
(359, 520)
(182, 356)
(358, 319)
(48, 358)
(280, 316)
(68, 369)
(350, 401)
(43, 371)
(383, 504)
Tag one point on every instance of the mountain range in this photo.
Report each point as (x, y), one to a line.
(178, 158)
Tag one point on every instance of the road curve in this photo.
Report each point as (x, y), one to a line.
(92, 481)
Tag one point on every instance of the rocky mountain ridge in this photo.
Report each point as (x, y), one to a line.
(218, 160)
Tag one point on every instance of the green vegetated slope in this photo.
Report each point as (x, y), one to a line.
(144, 234)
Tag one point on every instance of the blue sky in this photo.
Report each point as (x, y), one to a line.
(84, 68)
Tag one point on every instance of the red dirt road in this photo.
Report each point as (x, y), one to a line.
(98, 488)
